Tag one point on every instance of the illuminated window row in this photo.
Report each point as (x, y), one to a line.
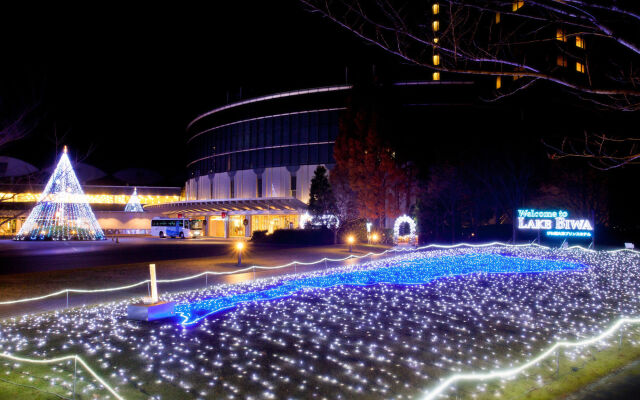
(92, 198)
(561, 61)
(561, 35)
(517, 4)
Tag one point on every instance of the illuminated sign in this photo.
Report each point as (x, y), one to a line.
(555, 223)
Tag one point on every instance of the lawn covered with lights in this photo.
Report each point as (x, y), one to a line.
(389, 328)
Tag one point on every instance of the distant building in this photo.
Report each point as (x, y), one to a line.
(107, 202)
(250, 162)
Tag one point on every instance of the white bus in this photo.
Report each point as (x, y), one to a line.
(176, 227)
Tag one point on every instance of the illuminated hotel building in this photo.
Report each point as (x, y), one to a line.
(250, 163)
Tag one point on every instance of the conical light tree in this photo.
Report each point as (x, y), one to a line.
(134, 203)
(62, 211)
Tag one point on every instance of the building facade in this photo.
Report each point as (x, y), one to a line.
(251, 162)
(107, 202)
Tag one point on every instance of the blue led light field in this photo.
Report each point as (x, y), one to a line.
(393, 328)
(405, 272)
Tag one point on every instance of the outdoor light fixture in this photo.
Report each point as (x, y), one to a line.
(374, 237)
(350, 240)
(239, 248)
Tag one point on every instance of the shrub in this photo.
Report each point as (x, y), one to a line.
(357, 228)
(295, 236)
(259, 236)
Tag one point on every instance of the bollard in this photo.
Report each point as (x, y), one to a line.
(206, 280)
(295, 268)
(254, 272)
(148, 289)
(154, 286)
(67, 298)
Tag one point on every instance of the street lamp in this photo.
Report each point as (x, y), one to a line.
(350, 240)
(239, 247)
(374, 237)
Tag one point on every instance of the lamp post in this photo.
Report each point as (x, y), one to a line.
(350, 240)
(374, 237)
(239, 247)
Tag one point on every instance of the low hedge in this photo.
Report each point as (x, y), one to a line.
(295, 236)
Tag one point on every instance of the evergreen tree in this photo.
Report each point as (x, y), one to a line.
(322, 202)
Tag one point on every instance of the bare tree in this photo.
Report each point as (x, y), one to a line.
(590, 48)
(14, 129)
(601, 151)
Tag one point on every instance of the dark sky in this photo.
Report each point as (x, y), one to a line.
(127, 78)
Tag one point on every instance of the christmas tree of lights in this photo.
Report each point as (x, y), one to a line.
(134, 203)
(62, 211)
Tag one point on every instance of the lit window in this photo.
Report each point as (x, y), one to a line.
(498, 82)
(580, 67)
(436, 76)
(436, 26)
(435, 8)
(579, 42)
(561, 35)
(517, 4)
(436, 59)
(497, 18)
(561, 61)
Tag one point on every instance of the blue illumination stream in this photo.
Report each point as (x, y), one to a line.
(418, 271)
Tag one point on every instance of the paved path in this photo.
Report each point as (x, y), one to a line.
(186, 263)
(37, 256)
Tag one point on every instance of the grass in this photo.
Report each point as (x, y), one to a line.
(545, 381)
(578, 368)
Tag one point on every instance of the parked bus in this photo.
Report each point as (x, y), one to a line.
(176, 227)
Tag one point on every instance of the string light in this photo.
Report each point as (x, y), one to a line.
(505, 373)
(134, 203)
(404, 219)
(62, 211)
(359, 329)
(64, 358)
(324, 259)
(410, 272)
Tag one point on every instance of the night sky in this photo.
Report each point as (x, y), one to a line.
(126, 79)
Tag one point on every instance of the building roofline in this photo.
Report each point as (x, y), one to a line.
(271, 97)
(264, 117)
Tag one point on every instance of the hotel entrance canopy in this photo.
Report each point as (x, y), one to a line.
(270, 205)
